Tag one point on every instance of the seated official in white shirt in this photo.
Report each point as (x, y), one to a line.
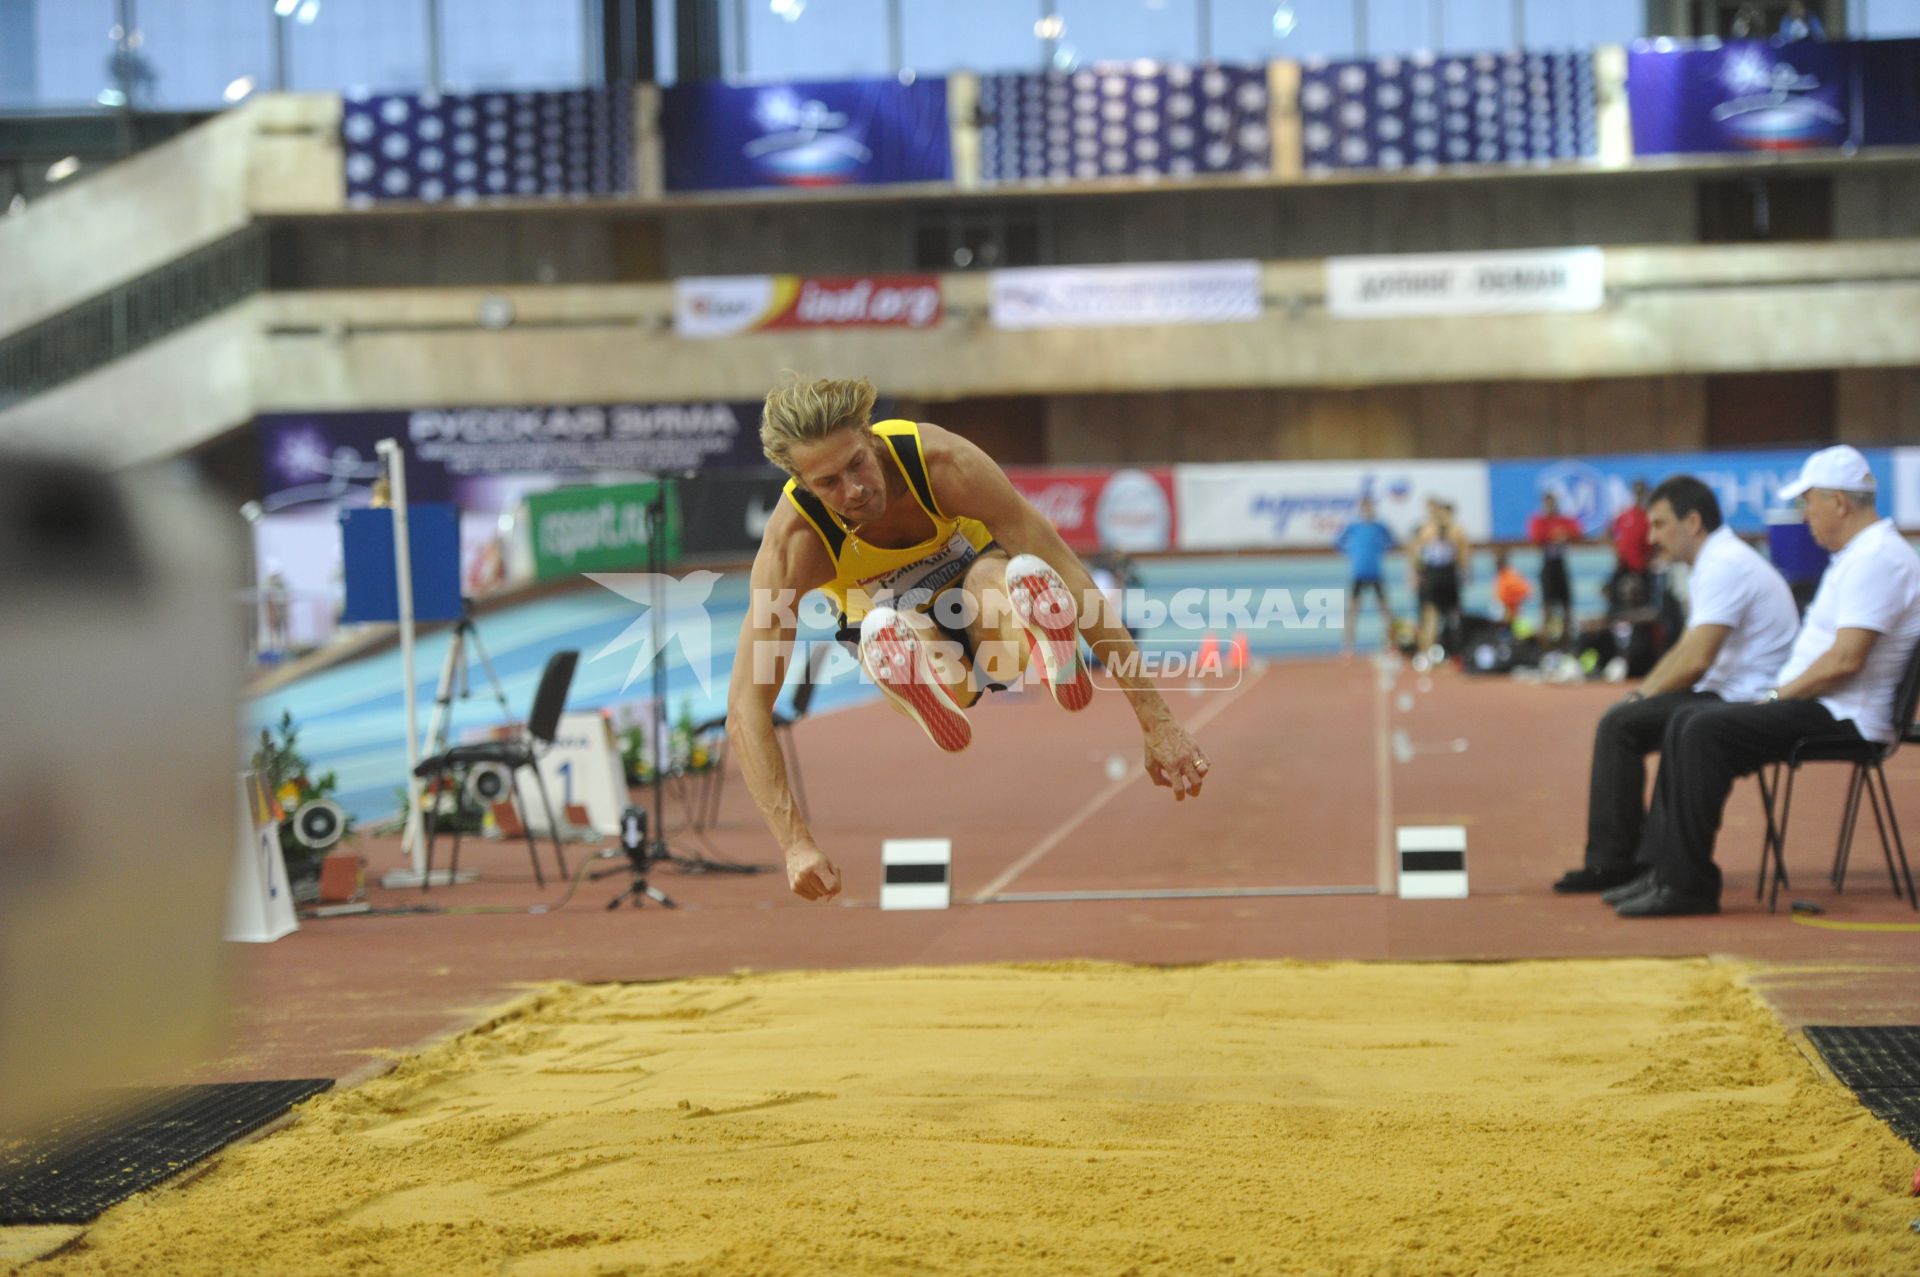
(1839, 681)
(1740, 627)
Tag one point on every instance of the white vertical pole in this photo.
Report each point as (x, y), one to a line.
(411, 841)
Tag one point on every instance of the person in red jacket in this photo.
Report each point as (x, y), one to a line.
(1632, 550)
(1553, 532)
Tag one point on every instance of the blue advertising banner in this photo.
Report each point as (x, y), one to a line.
(1594, 489)
(1171, 119)
(1755, 95)
(821, 133)
(463, 147)
(485, 459)
(1424, 111)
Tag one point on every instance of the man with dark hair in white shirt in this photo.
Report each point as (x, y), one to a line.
(1839, 681)
(1740, 626)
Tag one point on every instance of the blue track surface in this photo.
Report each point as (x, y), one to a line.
(352, 718)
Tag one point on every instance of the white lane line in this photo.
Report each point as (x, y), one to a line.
(1176, 893)
(1385, 854)
(1102, 798)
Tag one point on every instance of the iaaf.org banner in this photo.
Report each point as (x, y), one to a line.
(1111, 296)
(727, 305)
(1304, 505)
(1531, 282)
(1127, 510)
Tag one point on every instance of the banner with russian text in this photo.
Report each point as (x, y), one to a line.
(1425, 284)
(488, 458)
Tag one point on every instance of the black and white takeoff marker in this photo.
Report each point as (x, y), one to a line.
(916, 873)
(1433, 862)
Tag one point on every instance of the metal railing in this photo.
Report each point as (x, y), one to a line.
(122, 320)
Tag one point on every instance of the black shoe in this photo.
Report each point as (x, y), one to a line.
(1638, 887)
(1586, 881)
(1667, 902)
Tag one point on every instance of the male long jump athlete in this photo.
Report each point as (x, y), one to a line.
(948, 580)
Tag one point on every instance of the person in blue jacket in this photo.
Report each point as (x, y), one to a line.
(1365, 541)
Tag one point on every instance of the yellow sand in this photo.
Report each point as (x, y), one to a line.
(1531, 1118)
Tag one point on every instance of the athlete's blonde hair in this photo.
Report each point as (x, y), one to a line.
(809, 411)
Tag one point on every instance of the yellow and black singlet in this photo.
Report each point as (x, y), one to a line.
(910, 577)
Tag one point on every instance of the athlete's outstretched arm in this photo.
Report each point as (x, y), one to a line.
(968, 482)
(780, 575)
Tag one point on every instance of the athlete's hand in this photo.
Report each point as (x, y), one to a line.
(811, 875)
(1174, 760)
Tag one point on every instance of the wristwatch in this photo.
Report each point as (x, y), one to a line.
(1773, 694)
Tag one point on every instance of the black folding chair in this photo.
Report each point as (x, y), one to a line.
(1868, 759)
(706, 804)
(543, 722)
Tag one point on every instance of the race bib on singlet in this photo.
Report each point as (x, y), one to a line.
(915, 585)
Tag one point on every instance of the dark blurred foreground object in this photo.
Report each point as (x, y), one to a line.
(120, 649)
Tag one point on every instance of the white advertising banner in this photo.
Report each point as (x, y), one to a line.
(727, 305)
(1517, 283)
(1303, 505)
(1905, 506)
(1109, 296)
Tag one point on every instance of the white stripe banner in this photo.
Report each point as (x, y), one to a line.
(1109, 296)
(1303, 505)
(1517, 283)
(1905, 506)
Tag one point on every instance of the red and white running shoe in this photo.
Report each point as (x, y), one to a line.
(1045, 609)
(898, 663)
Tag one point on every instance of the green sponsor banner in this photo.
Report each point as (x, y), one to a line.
(598, 529)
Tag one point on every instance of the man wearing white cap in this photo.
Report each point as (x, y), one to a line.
(1839, 681)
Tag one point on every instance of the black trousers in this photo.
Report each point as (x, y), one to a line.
(1556, 587)
(1617, 789)
(1706, 749)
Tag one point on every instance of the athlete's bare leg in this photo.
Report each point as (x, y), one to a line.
(1018, 602)
(920, 672)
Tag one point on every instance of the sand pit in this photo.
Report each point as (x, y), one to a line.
(1536, 1118)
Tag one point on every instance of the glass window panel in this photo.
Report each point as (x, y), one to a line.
(817, 39)
(379, 45)
(1475, 26)
(1124, 30)
(1246, 30)
(17, 80)
(196, 48)
(1554, 24)
(72, 47)
(1887, 19)
(666, 54)
(500, 44)
(1400, 26)
(939, 36)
